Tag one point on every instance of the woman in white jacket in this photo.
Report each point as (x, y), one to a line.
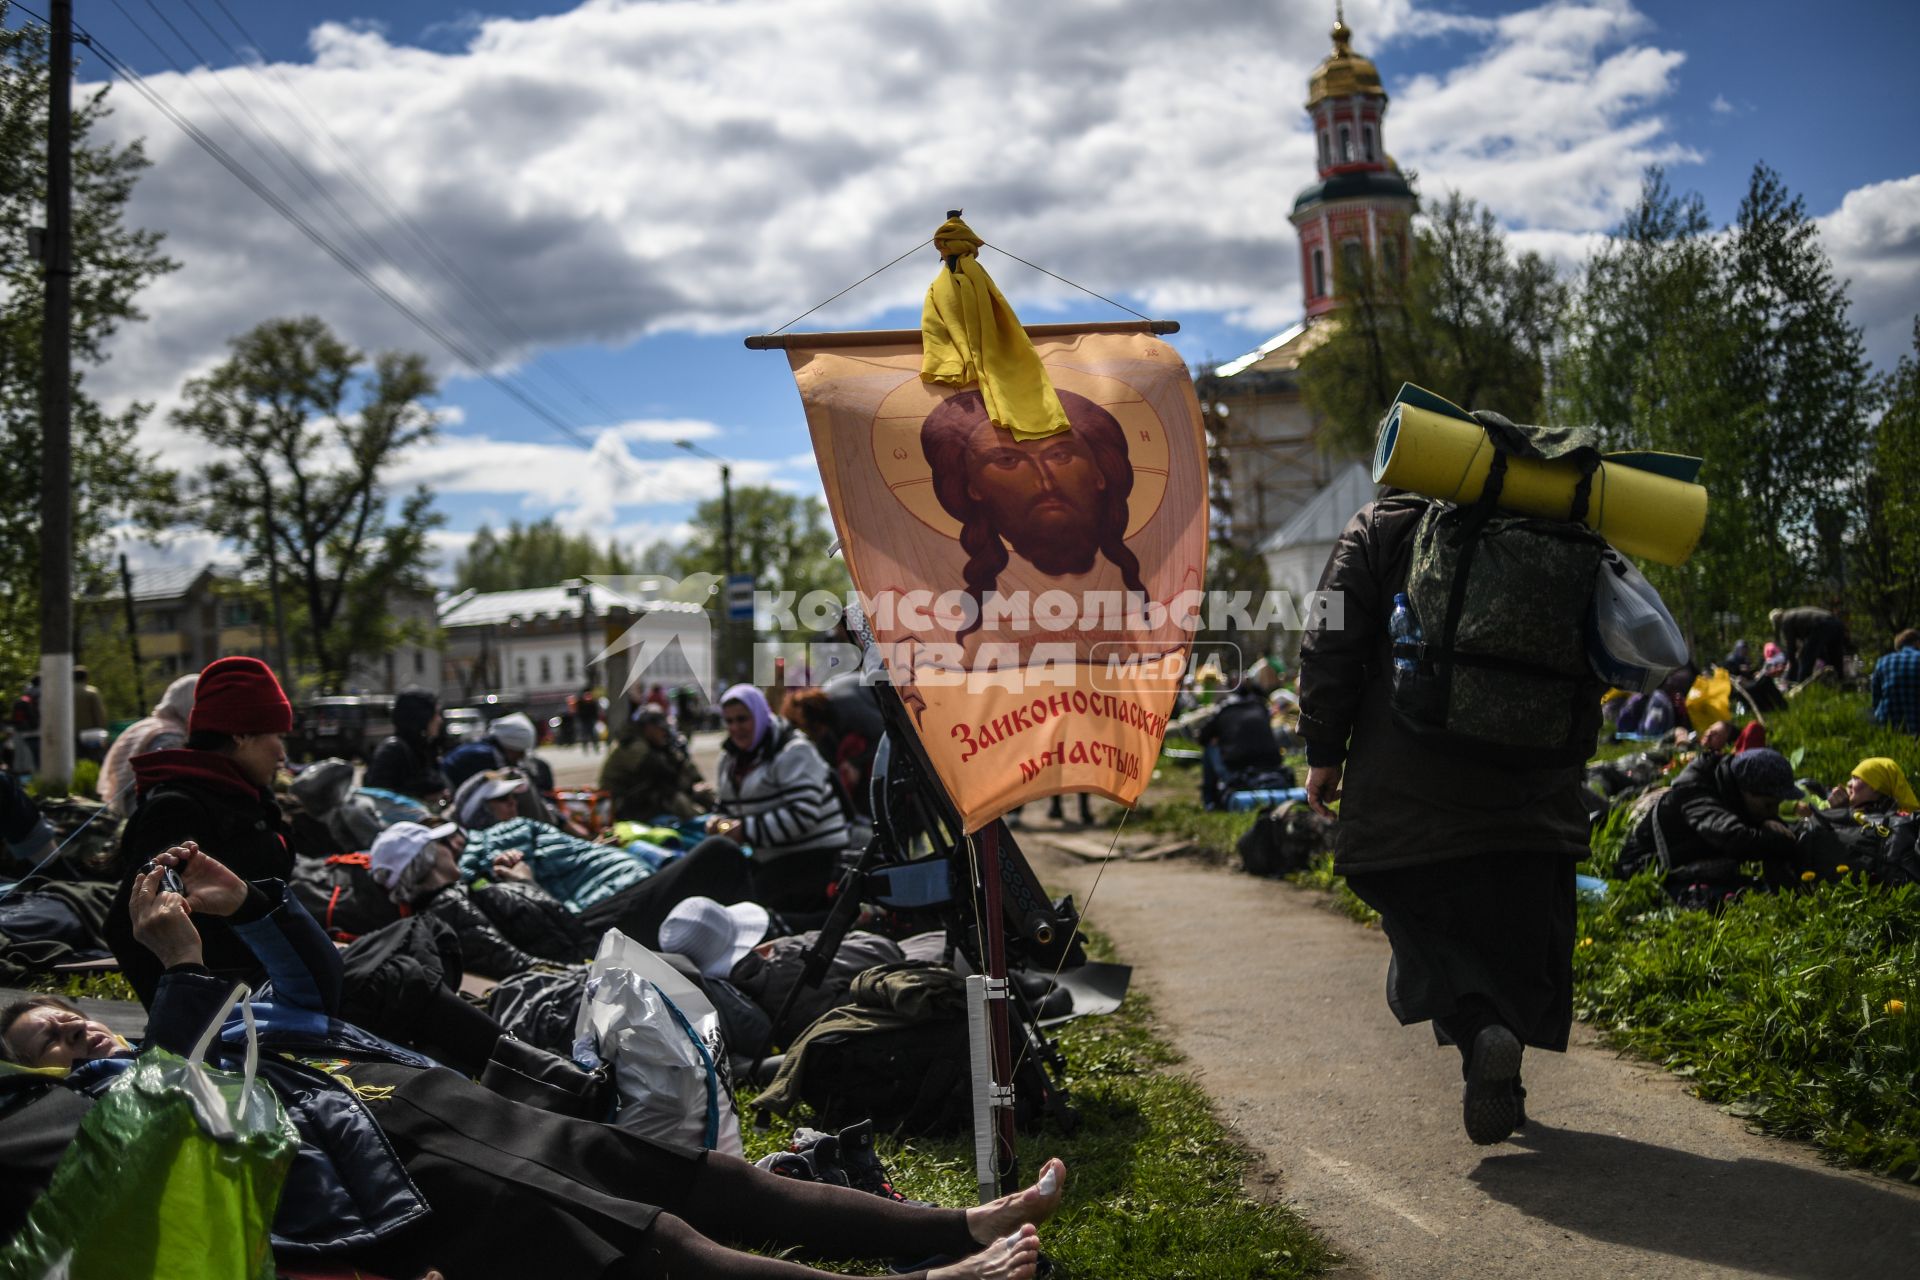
(777, 796)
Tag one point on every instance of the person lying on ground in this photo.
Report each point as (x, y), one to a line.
(1877, 786)
(1716, 738)
(217, 790)
(1720, 812)
(776, 796)
(605, 886)
(397, 1152)
(506, 922)
(649, 774)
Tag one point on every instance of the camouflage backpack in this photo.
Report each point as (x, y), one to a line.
(1501, 600)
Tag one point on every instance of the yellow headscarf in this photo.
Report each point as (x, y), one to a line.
(969, 334)
(1885, 776)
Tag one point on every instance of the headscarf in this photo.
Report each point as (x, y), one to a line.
(756, 702)
(1886, 776)
(168, 720)
(177, 702)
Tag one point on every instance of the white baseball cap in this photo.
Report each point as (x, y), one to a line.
(714, 937)
(395, 849)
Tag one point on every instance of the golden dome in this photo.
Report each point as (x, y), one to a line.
(1344, 72)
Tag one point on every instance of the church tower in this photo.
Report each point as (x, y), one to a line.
(1357, 213)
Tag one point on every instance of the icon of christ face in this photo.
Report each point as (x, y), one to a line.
(1060, 502)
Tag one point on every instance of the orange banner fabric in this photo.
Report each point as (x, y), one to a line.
(1034, 601)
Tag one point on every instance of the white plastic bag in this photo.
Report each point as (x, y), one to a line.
(661, 1037)
(1632, 641)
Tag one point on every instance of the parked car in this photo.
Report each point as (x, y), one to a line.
(461, 725)
(349, 726)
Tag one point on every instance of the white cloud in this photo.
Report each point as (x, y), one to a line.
(1720, 106)
(667, 430)
(628, 168)
(1874, 240)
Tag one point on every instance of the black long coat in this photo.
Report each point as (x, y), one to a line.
(1405, 804)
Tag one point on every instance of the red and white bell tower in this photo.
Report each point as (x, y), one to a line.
(1355, 218)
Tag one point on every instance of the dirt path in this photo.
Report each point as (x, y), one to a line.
(1279, 1006)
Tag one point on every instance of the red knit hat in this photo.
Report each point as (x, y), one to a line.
(239, 695)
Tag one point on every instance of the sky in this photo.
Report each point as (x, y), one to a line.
(597, 201)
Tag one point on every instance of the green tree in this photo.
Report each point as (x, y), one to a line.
(307, 430)
(1801, 365)
(1646, 348)
(534, 555)
(1886, 552)
(112, 479)
(1472, 321)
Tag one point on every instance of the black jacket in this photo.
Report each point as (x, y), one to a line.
(1244, 734)
(200, 796)
(1707, 827)
(408, 765)
(1405, 804)
(504, 926)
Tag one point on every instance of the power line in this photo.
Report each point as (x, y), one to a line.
(362, 179)
(459, 350)
(247, 179)
(371, 247)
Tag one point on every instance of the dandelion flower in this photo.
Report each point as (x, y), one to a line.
(1586, 942)
(1843, 868)
(1896, 1007)
(1806, 875)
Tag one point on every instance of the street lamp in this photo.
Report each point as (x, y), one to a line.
(726, 541)
(583, 589)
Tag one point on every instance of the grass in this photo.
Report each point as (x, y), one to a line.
(1156, 1185)
(1800, 1012)
(106, 984)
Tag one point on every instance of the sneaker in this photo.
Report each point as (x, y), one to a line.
(1491, 1103)
(862, 1164)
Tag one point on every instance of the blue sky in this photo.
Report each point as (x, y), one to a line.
(641, 184)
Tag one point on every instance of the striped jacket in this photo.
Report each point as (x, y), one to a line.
(786, 803)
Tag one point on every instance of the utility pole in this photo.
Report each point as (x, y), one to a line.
(133, 631)
(729, 659)
(726, 555)
(56, 418)
(273, 587)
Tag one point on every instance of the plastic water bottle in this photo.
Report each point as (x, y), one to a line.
(1404, 629)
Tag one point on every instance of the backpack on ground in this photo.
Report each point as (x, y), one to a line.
(1284, 839)
(1502, 606)
(341, 893)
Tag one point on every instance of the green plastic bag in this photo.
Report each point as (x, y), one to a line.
(174, 1175)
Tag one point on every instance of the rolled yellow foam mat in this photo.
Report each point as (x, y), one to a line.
(1642, 513)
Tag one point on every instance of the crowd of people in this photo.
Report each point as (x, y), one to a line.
(356, 904)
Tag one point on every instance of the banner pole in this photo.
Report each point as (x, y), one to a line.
(993, 926)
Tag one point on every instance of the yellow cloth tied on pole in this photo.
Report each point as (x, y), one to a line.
(969, 334)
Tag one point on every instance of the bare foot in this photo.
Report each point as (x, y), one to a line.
(1012, 1257)
(988, 1222)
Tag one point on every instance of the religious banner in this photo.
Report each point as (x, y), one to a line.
(1034, 600)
